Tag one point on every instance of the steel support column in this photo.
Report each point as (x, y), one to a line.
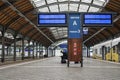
(47, 49)
(36, 50)
(23, 49)
(39, 50)
(14, 56)
(42, 51)
(87, 51)
(28, 48)
(53, 52)
(33, 51)
(7, 51)
(3, 46)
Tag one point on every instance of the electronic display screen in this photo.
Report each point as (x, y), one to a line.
(54, 19)
(97, 19)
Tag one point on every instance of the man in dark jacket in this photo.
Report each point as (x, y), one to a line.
(63, 57)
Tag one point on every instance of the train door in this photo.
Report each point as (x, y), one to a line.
(118, 50)
(104, 51)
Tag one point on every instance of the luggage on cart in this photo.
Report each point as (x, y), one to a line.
(63, 61)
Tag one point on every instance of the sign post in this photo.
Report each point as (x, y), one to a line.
(75, 22)
(74, 39)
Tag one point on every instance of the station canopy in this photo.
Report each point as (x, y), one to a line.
(67, 6)
(20, 17)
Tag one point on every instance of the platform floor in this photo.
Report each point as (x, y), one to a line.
(52, 69)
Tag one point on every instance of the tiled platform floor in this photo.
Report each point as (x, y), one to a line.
(52, 69)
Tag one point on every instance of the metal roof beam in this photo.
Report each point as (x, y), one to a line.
(34, 34)
(29, 31)
(109, 32)
(3, 6)
(58, 6)
(15, 9)
(100, 30)
(94, 35)
(23, 26)
(90, 5)
(78, 6)
(116, 26)
(101, 33)
(47, 6)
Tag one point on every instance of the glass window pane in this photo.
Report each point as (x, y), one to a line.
(60, 32)
(93, 9)
(65, 35)
(44, 9)
(60, 29)
(83, 8)
(53, 31)
(74, 0)
(64, 31)
(51, 1)
(63, 7)
(62, 0)
(98, 2)
(73, 7)
(40, 3)
(87, 1)
(52, 28)
(56, 37)
(54, 8)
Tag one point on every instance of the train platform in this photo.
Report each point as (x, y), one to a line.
(9, 62)
(52, 69)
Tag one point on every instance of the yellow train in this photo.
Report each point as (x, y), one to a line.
(109, 50)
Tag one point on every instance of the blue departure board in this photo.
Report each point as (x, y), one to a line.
(97, 19)
(52, 19)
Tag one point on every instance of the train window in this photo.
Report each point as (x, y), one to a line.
(95, 51)
(118, 48)
(108, 50)
(100, 50)
(114, 49)
(105, 50)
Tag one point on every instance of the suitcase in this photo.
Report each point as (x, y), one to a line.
(63, 61)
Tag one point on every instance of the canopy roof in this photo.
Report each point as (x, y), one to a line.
(20, 17)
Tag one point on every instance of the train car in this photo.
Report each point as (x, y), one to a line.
(115, 50)
(109, 50)
(100, 50)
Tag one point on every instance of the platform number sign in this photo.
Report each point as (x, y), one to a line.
(74, 28)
